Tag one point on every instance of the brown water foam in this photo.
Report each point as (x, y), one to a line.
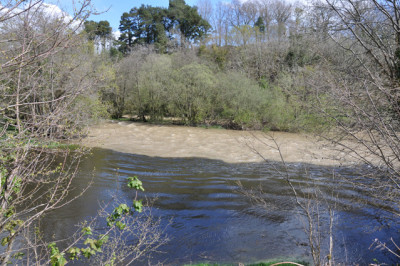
(228, 145)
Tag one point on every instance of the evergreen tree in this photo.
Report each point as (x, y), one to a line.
(127, 27)
(191, 25)
(98, 30)
(152, 25)
(260, 24)
(144, 25)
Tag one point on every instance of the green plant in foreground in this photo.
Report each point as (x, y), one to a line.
(56, 257)
(93, 245)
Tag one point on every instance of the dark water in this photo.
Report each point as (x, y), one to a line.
(212, 222)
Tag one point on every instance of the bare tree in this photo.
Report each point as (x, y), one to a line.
(250, 12)
(320, 20)
(313, 206)
(265, 10)
(368, 32)
(44, 71)
(221, 24)
(205, 9)
(281, 13)
(364, 83)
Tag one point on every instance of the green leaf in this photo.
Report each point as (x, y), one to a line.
(5, 241)
(87, 231)
(74, 253)
(17, 185)
(88, 252)
(52, 247)
(138, 205)
(18, 255)
(57, 257)
(134, 182)
(104, 238)
(95, 245)
(110, 221)
(122, 209)
(11, 225)
(120, 225)
(9, 212)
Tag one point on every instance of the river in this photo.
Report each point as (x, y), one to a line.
(208, 219)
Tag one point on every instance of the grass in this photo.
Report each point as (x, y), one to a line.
(10, 142)
(62, 146)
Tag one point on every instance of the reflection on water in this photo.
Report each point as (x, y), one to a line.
(211, 221)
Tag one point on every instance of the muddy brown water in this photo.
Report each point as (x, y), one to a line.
(230, 146)
(193, 173)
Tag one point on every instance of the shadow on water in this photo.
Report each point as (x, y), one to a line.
(211, 221)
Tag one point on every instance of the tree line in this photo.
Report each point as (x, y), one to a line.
(277, 65)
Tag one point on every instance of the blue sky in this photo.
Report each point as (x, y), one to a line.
(116, 8)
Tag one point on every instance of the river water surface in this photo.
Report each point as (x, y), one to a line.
(211, 221)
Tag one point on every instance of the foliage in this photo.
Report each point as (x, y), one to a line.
(155, 25)
(191, 25)
(200, 93)
(94, 244)
(49, 94)
(144, 25)
(56, 257)
(134, 182)
(95, 29)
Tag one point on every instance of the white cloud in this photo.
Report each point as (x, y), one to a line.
(55, 12)
(51, 12)
(116, 34)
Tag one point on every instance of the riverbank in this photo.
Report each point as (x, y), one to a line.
(227, 145)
